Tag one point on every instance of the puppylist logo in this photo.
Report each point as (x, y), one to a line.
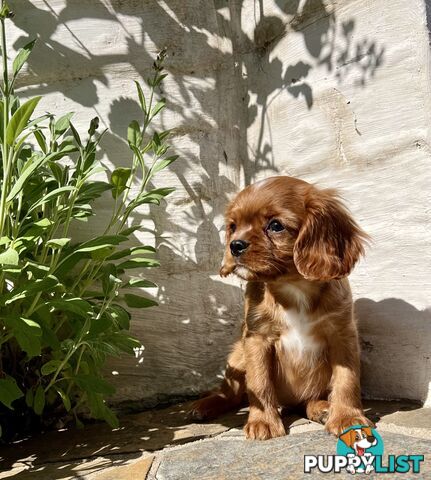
(360, 450)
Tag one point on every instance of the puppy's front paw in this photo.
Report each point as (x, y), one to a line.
(338, 422)
(261, 429)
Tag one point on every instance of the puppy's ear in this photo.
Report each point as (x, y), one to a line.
(329, 242)
(348, 438)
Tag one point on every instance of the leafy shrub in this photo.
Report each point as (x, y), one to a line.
(61, 308)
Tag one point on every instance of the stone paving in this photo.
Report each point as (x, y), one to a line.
(165, 445)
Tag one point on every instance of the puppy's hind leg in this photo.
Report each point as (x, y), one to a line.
(231, 391)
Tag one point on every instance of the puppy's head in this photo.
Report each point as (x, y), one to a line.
(359, 439)
(285, 226)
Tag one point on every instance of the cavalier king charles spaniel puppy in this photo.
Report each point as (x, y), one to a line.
(295, 245)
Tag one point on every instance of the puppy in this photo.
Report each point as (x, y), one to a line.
(294, 244)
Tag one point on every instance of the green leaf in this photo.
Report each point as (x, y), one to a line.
(120, 315)
(9, 391)
(4, 240)
(158, 107)
(75, 134)
(141, 97)
(132, 251)
(5, 11)
(29, 398)
(37, 269)
(110, 417)
(51, 196)
(50, 367)
(126, 232)
(22, 57)
(109, 283)
(136, 301)
(57, 242)
(92, 190)
(99, 326)
(156, 140)
(100, 243)
(27, 333)
(41, 140)
(31, 166)
(38, 120)
(123, 341)
(19, 120)
(29, 289)
(119, 179)
(139, 155)
(49, 338)
(154, 196)
(160, 79)
(141, 282)
(100, 411)
(164, 163)
(39, 400)
(39, 227)
(134, 136)
(102, 253)
(91, 383)
(9, 257)
(63, 123)
(138, 263)
(94, 125)
(75, 305)
(64, 398)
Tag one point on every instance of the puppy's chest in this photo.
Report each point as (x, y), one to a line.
(298, 336)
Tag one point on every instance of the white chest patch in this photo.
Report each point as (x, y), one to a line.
(297, 338)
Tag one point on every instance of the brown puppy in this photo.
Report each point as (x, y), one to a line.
(294, 244)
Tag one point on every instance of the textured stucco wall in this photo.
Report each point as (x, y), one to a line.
(333, 92)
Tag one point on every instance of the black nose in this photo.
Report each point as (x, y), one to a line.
(371, 438)
(237, 247)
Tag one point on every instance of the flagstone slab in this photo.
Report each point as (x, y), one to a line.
(277, 459)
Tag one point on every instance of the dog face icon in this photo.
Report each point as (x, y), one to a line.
(359, 439)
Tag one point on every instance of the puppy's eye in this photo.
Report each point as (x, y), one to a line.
(275, 226)
(232, 227)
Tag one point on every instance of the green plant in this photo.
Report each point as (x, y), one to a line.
(61, 307)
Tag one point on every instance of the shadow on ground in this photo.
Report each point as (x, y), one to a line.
(148, 431)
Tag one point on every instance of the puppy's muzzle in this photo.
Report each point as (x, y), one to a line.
(238, 247)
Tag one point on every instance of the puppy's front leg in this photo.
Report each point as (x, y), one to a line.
(345, 398)
(264, 421)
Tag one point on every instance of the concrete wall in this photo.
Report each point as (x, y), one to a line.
(333, 92)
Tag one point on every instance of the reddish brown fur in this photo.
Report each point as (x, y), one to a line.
(300, 272)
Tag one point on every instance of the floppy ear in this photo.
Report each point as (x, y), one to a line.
(348, 438)
(329, 242)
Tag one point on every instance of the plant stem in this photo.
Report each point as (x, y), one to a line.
(5, 152)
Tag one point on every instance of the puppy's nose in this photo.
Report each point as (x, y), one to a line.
(237, 247)
(371, 438)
